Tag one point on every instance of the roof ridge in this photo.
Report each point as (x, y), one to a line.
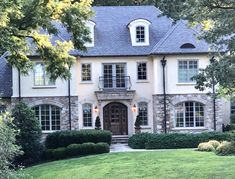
(169, 32)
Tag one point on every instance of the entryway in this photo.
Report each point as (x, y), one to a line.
(115, 117)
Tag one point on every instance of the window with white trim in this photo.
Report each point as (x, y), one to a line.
(48, 116)
(142, 71)
(140, 34)
(232, 107)
(41, 78)
(86, 72)
(186, 70)
(87, 114)
(143, 113)
(189, 114)
(91, 27)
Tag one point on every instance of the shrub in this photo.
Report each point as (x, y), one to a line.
(137, 121)
(138, 141)
(226, 148)
(65, 138)
(29, 134)
(214, 143)
(205, 146)
(8, 147)
(76, 150)
(174, 140)
(97, 123)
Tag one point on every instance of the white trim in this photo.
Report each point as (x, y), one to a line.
(188, 128)
(91, 26)
(86, 81)
(43, 87)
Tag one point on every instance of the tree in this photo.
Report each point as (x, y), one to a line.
(21, 26)
(97, 123)
(29, 134)
(217, 21)
(8, 148)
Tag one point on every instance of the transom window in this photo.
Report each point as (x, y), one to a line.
(189, 114)
(2, 108)
(140, 34)
(49, 117)
(87, 114)
(142, 71)
(41, 78)
(143, 112)
(187, 69)
(86, 72)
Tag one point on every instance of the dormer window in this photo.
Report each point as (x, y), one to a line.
(91, 26)
(139, 32)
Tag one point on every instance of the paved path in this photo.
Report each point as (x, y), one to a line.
(126, 148)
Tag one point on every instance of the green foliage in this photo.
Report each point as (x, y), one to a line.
(65, 138)
(175, 140)
(74, 150)
(226, 148)
(205, 147)
(8, 148)
(97, 123)
(217, 21)
(137, 121)
(29, 134)
(21, 23)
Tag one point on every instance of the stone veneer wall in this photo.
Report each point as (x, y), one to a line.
(173, 99)
(60, 101)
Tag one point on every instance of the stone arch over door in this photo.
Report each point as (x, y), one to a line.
(115, 117)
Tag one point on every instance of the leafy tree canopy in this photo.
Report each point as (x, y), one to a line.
(21, 22)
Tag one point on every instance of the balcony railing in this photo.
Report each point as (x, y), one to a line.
(114, 83)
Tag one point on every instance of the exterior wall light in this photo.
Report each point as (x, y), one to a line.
(96, 109)
(134, 108)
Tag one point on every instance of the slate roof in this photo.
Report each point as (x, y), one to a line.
(112, 36)
(5, 79)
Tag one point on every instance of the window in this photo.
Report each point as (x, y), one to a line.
(187, 69)
(189, 114)
(2, 108)
(86, 72)
(142, 71)
(232, 107)
(40, 76)
(143, 113)
(140, 34)
(187, 45)
(49, 117)
(91, 27)
(87, 115)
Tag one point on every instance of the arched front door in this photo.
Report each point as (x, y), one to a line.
(115, 118)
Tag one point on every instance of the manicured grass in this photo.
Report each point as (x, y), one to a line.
(177, 164)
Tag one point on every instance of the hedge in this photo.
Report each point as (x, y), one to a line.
(65, 138)
(75, 150)
(174, 140)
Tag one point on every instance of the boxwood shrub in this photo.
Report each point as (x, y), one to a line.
(75, 150)
(65, 138)
(174, 140)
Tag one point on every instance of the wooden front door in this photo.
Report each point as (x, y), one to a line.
(115, 118)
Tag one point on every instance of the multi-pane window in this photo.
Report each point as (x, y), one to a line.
(87, 114)
(86, 72)
(140, 34)
(143, 112)
(187, 69)
(189, 114)
(2, 108)
(232, 107)
(41, 78)
(48, 116)
(142, 71)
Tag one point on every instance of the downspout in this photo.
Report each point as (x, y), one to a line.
(163, 61)
(19, 84)
(69, 96)
(212, 60)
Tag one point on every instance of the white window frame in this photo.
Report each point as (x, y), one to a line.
(146, 70)
(45, 78)
(91, 26)
(143, 102)
(91, 116)
(132, 27)
(188, 80)
(84, 81)
(194, 116)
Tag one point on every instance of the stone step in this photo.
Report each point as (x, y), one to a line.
(120, 139)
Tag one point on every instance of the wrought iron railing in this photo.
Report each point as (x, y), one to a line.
(114, 83)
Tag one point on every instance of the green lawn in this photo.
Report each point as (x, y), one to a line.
(177, 164)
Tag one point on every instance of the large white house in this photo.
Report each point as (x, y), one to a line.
(138, 63)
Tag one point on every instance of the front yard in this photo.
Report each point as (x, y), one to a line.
(182, 164)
